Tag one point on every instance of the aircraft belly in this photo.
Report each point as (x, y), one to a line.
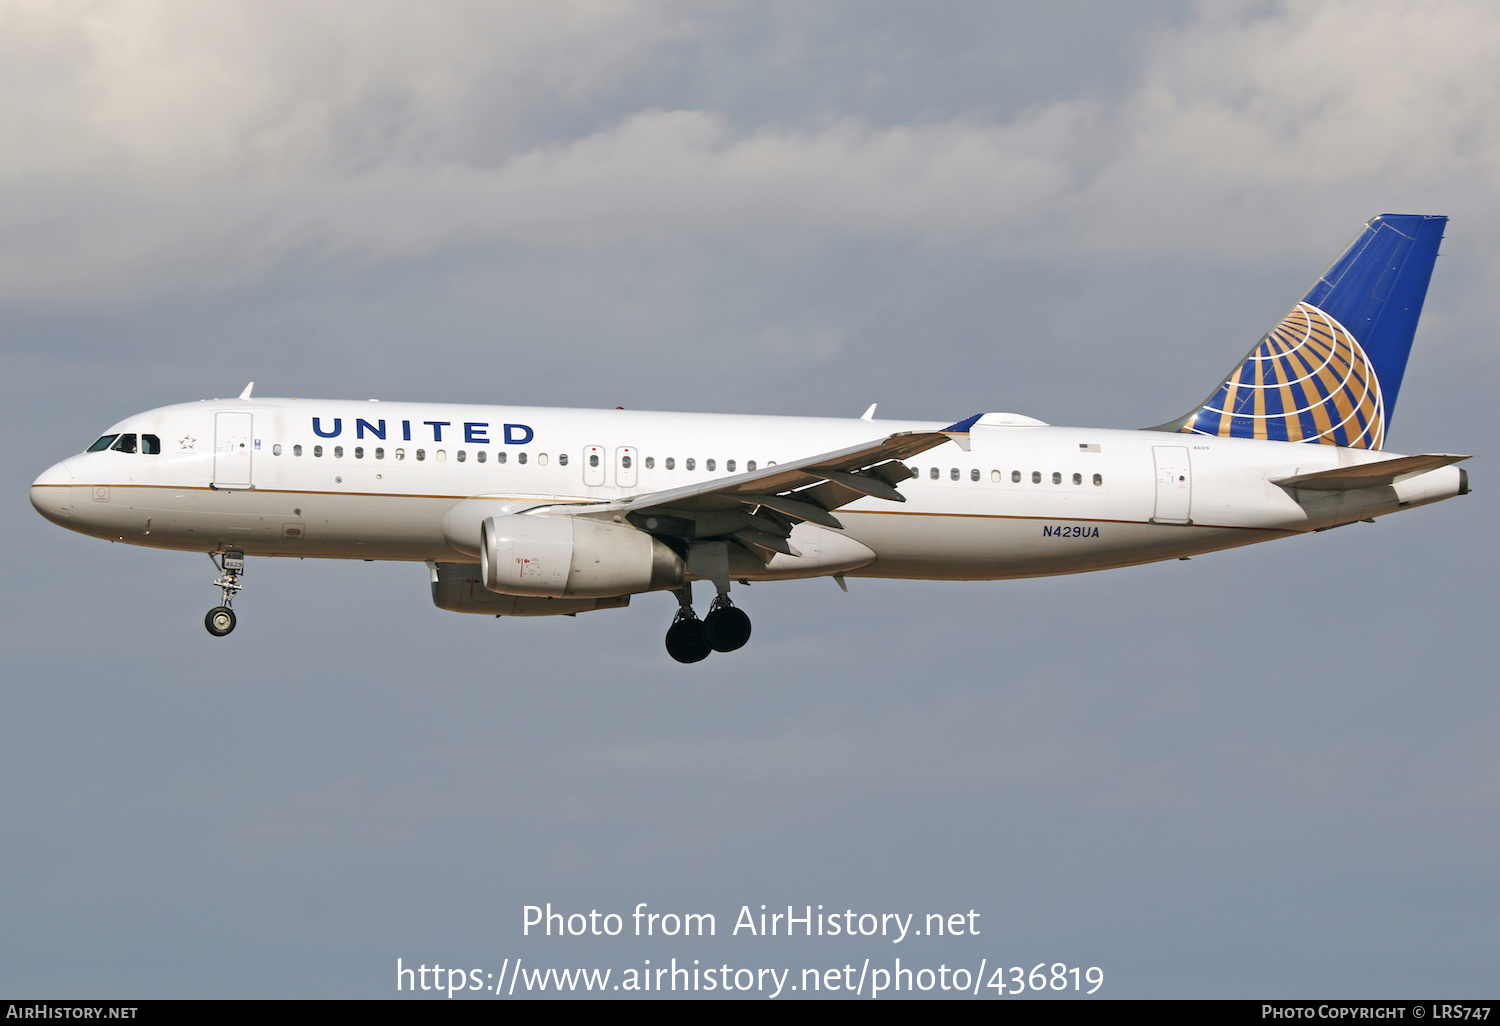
(941, 547)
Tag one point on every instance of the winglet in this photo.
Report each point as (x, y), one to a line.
(248, 389)
(870, 413)
(959, 432)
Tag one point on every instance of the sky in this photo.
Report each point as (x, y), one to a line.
(1268, 772)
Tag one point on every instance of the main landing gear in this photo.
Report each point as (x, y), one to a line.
(220, 619)
(690, 640)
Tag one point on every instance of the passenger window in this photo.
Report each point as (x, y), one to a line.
(296, 450)
(953, 473)
(125, 444)
(500, 456)
(1056, 477)
(151, 445)
(1015, 477)
(671, 463)
(1078, 479)
(317, 450)
(1098, 480)
(974, 474)
(479, 455)
(541, 459)
(338, 452)
(650, 462)
(441, 456)
(103, 443)
(276, 449)
(691, 464)
(710, 464)
(1036, 477)
(934, 473)
(729, 466)
(995, 475)
(520, 457)
(379, 453)
(749, 464)
(421, 455)
(462, 455)
(359, 452)
(562, 459)
(593, 459)
(625, 463)
(400, 454)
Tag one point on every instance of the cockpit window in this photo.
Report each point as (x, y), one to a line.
(103, 443)
(125, 444)
(151, 445)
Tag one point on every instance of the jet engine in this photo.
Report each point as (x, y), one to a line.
(457, 588)
(557, 556)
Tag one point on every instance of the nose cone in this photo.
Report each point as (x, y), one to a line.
(51, 494)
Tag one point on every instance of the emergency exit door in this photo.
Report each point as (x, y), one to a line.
(626, 459)
(593, 465)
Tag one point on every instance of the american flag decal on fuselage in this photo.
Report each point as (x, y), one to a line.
(1308, 381)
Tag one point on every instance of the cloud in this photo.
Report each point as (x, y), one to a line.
(1302, 108)
(167, 146)
(165, 94)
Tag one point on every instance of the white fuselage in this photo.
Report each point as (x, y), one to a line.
(264, 477)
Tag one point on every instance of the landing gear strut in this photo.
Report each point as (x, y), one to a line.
(690, 640)
(220, 619)
(687, 642)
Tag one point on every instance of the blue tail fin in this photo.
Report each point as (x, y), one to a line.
(1330, 371)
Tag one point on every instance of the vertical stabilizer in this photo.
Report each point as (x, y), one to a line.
(1330, 371)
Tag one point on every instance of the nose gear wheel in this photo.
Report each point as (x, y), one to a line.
(221, 619)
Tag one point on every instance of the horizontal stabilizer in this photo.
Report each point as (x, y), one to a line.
(1368, 475)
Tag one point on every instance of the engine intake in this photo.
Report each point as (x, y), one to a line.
(572, 557)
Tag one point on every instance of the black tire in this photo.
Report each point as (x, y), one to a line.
(686, 641)
(219, 621)
(728, 628)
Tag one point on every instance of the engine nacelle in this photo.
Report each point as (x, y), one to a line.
(572, 557)
(457, 587)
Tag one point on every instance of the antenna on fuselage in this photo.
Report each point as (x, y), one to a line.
(248, 389)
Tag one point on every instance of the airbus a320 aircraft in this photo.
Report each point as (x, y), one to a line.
(521, 511)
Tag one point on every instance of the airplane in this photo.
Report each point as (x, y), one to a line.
(524, 511)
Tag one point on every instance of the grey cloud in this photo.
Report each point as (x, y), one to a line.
(1236, 113)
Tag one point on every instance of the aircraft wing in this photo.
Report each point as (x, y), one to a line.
(1368, 475)
(758, 509)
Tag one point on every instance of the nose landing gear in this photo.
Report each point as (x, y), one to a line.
(220, 619)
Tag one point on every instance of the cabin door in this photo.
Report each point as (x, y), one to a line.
(233, 444)
(1174, 484)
